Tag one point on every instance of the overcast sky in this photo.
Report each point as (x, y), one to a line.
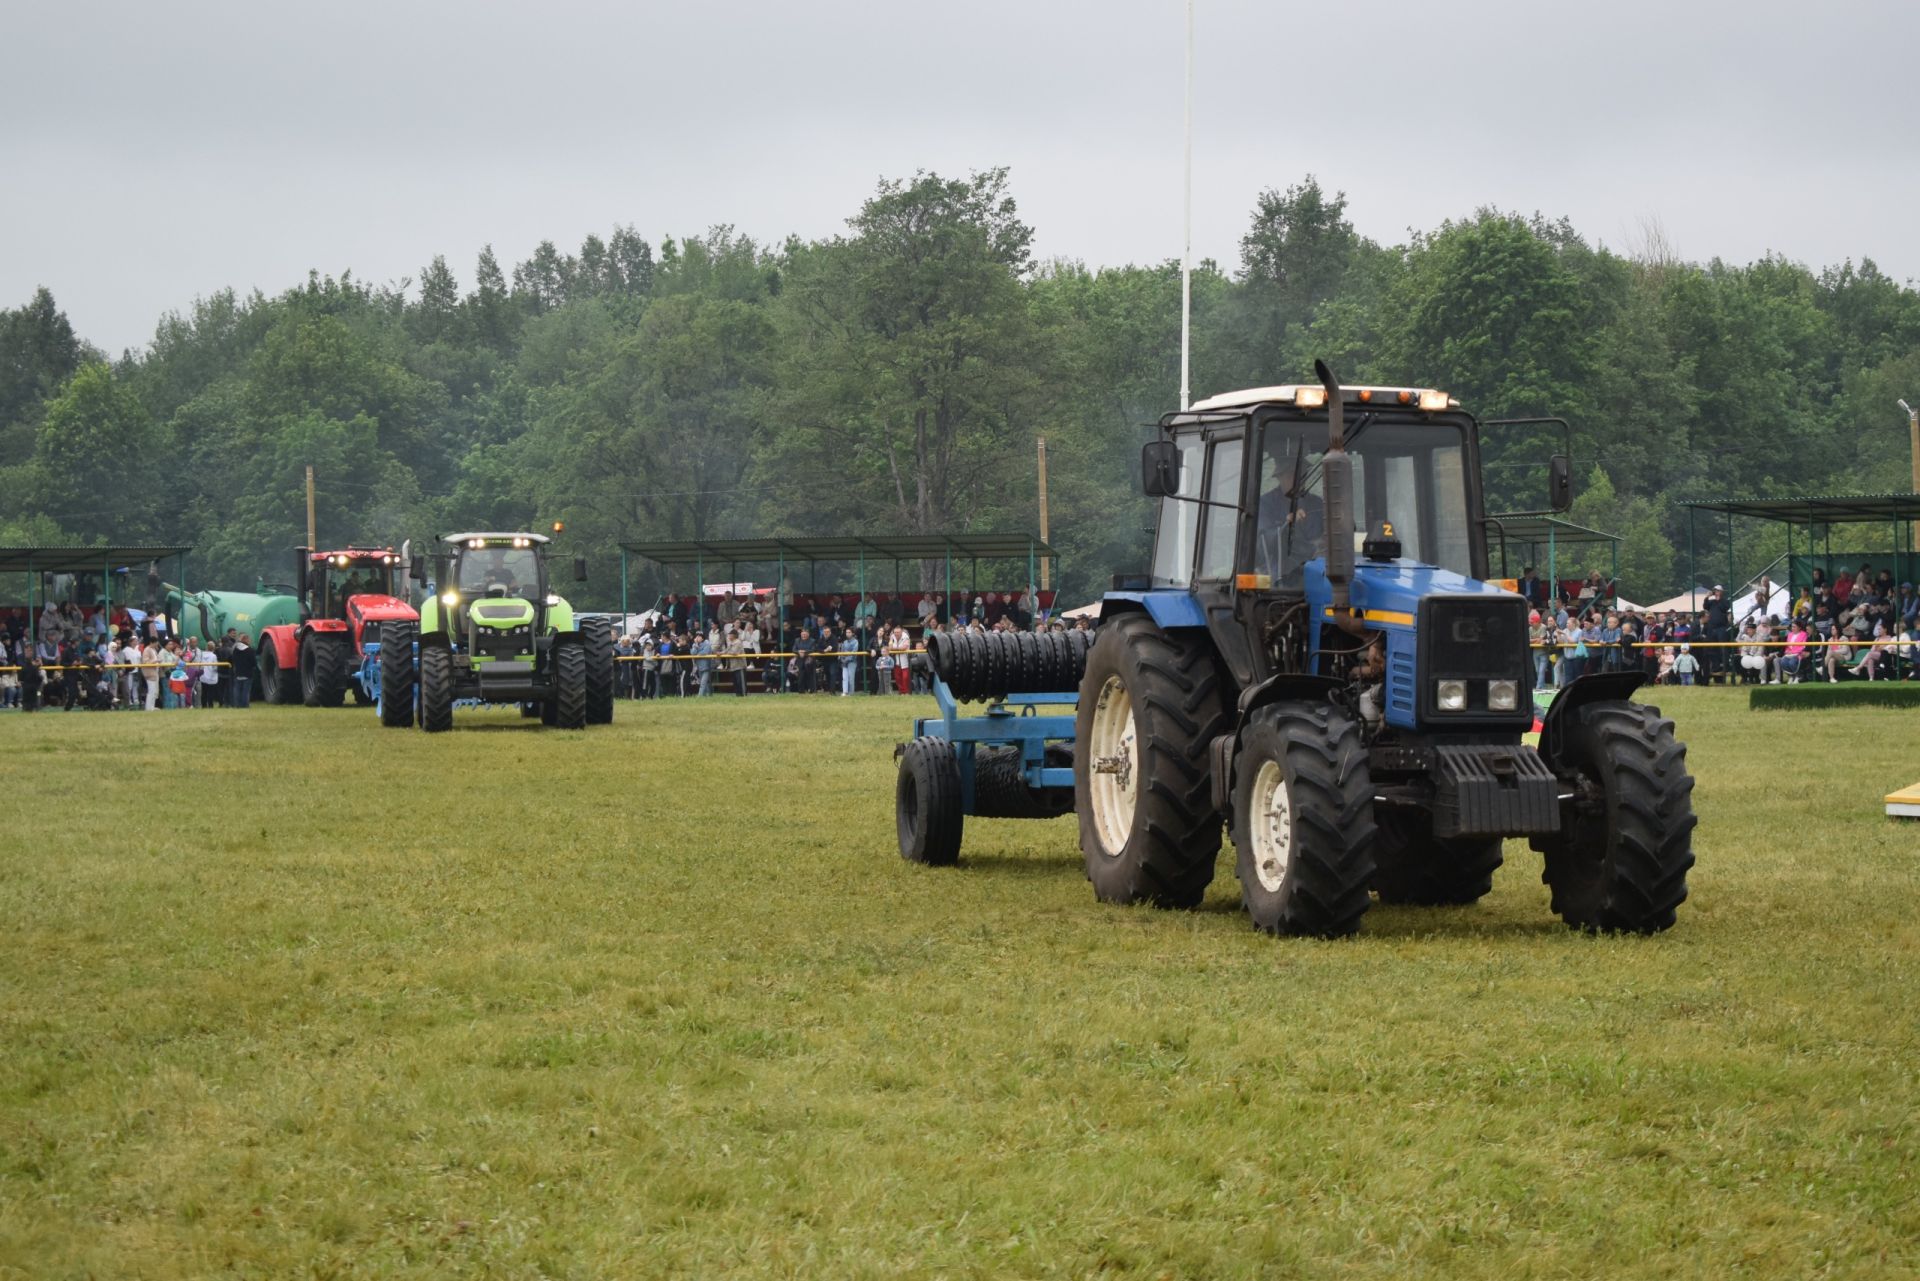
(158, 151)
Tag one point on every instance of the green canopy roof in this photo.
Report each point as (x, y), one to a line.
(1830, 509)
(82, 560)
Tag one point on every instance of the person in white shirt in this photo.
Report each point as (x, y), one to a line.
(209, 674)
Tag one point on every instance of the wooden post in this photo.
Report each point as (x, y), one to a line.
(1046, 565)
(312, 542)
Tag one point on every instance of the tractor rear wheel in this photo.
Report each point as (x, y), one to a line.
(1619, 863)
(1411, 865)
(1303, 819)
(597, 635)
(323, 661)
(927, 808)
(436, 688)
(568, 697)
(396, 675)
(1150, 705)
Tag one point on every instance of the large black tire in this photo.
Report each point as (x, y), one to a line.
(1148, 828)
(436, 688)
(569, 696)
(926, 803)
(596, 635)
(323, 661)
(277, 684)
(1619, 864)
(396, 675)
(1303, 820)
(1410, 865)
(1000, 784)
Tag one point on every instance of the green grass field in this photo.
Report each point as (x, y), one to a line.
(283, 994)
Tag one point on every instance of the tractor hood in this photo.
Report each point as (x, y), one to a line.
(368, 608)
(501, 612)
(1389, 592)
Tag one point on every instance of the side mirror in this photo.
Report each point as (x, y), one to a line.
(1160, 468)
(579, 569)
(1560, 482)
(417, 569)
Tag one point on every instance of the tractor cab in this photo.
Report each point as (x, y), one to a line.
(333, 579)
(1250, 535)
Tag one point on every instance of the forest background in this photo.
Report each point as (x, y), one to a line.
(895, 378)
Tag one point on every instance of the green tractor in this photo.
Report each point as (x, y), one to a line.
(493, 630)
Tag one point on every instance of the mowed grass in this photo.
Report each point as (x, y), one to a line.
(283, 994)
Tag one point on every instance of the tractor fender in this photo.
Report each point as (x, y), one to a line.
(1597, 687)
(283, 639)
(326, 625)
(1280, 687)
(1169, 609)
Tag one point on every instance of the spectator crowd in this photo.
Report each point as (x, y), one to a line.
(74, 660)
(818, 644)
(1860, 626)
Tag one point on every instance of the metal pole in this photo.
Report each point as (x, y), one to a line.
(1553, 574)
(866, 665)
(1045, 568)
(948, 602)
(1031, 587)
(1693, 578)
(623, 587)
(1186, 251)
(700, 587)
(780, 617)
(1913, 443)
(1731, 585)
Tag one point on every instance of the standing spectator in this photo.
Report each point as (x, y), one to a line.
(1717, 614)
(849, 648)
(801, 665)
(209, 676)
(702, 650)
(737, 661)
(1753, 656)
(223, 674)
(246, 666)
(1685, 665)
(900, 643)
(32, 680)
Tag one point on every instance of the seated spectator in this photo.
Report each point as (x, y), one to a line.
(1753, 656)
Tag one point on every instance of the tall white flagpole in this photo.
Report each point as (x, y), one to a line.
(1186, 252)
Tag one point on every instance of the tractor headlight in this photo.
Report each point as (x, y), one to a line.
(1503, 696)
(1451, 696)
(450, 599)
(552, 599)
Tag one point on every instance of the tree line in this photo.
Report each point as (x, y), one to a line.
(895, 377)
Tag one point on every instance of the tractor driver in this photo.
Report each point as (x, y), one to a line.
(499, 573)
(1292, 523)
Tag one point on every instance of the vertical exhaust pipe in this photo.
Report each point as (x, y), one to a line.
(1336, 471)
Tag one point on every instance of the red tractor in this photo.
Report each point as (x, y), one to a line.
(345, 599)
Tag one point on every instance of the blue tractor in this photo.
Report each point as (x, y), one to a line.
(1317, 662)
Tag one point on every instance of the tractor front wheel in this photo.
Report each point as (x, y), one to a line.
(1150, 704)
(1413, 866)
(1619, 863)
(926, 803)
(436, 688)
(569, 694)
(596, 634)
(322, 659)
(1303, 820)
(396, 675)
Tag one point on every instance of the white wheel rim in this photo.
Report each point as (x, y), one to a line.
(1114, 768)
(1270, 820)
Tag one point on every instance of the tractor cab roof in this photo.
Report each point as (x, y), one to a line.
(1314, 396)
(353, 552)
(509, 538)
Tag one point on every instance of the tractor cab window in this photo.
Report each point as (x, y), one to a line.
(356, 579)
(1180, 518)
(1412, 474)
(507, 571)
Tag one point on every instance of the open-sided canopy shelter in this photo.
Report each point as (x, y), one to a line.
(1817, 515)
(124, 566)
(860, 550)
(1515, 540)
